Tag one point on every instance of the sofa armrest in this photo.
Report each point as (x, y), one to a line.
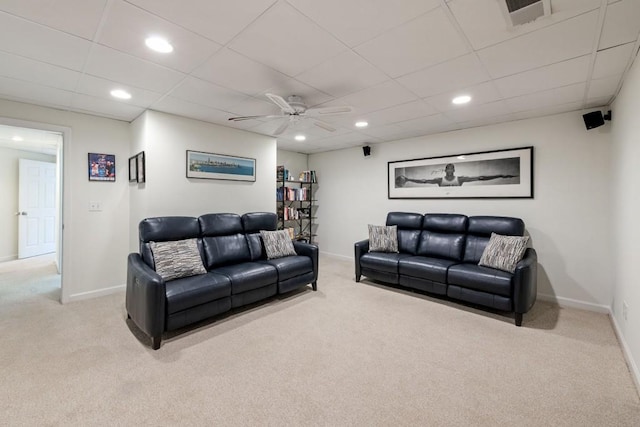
(360, 248)
(307, 249)
(525, 282)
(146, 296)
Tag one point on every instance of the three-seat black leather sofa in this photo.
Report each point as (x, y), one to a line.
(238, 271)
(439, 254)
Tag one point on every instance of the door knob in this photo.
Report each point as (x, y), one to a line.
(21, 213)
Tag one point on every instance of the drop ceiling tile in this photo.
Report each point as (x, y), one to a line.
(311, 96)
(398, 113)
(478, 112)
(342, 75)
(464, 71)
(219, 21)
(127, 27)
(250, 106)
(548, 111)
(287, 41)
(480, 94)
(612, 61)
(597, 102)
(423, 42)
(425, 125)
(375, 98)
(105, 107)
(234, 71)
(30, 70)
(44, 44)
(487, 121)
(384, 132)
(547, 98)
(556, 75)
(621, 24)
(34, 93)
(556, 43)
(183, 108)
(117, 66)
(207, 94)
(55, 14)
(356, 21)
(605, 87)
(101, 88)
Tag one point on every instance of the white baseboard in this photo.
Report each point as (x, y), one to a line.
(572, 303)
(342, 257)
(93, 294)
(9, 258)
(633, 367)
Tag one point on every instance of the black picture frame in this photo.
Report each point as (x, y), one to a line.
(141, 167)
(133, 169)
(101, 167)
(493, 174)
(203, 165)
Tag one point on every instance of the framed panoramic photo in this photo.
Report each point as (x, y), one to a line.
(220, 166)
(140, 167)
(102, 167)
(488, 174)
(133, 169)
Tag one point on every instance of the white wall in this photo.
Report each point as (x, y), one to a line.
(625, 213)
(294, 162)
(165, 139)
(568, 219)
(9, 159)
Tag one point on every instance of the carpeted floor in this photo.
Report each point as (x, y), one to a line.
(349, 354)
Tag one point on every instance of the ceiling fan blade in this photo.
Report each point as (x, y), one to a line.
(283, 126)
(238, 119)
(328, 110)
(280, 102)
(324, 125)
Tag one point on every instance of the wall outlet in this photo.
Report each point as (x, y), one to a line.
(625, 310)
(95, 206)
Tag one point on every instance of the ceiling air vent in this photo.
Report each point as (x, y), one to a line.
(520, 12)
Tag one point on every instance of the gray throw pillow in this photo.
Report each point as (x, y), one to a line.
(277, 244)
(504, 252)
(180, 258)
(383, 238)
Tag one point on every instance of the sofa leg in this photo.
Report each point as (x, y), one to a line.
(357, 278)
(128, 316)
(155, 342)
(314, 285)
(518, 319)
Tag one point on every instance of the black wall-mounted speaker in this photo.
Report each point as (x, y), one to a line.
(366, 150)
(593, 119)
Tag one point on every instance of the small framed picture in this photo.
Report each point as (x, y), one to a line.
(133, 169)
(102, 167)
(141, 175)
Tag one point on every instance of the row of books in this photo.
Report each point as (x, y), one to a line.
(282, 174)
(308, 176)
(292, 213)
(289, 193)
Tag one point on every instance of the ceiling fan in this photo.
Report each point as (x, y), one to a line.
(293, 110)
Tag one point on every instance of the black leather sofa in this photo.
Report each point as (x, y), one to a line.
(238, 271)
(439, 254)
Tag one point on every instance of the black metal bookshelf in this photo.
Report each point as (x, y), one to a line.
(296, 204)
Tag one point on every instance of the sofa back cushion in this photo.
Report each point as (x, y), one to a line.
(166, 229)
(409, 225)
(252, 223)
(443, 236)
(223, 240)
(479, 233)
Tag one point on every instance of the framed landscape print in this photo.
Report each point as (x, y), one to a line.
(220, 166)
(488, 174)
(102, 167)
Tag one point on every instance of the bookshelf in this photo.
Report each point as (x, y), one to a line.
(296, 203)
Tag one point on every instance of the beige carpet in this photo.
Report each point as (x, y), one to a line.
(349, 354)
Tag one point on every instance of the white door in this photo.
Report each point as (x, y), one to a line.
(36, 208)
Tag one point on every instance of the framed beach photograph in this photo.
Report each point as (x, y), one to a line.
(102, 167)
(140, 167)
(220, 166)
(133, 169)
(487, 174)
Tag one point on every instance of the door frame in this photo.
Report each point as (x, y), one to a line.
(64, 196)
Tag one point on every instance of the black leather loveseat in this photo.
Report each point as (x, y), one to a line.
(237, 270)
(439, 254)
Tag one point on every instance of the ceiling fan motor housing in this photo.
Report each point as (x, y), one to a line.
(297, 103)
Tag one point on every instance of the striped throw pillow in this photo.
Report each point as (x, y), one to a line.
(277, 244)
(180, 258)
(504, 252)
(383, 238)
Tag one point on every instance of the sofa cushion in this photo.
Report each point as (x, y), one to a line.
(175, 259)
(191, 291)
(383, 238)
(445, 223)
(434, 269)
(291, 266)
(277, 244)
(480, 278)
(382, 261)
(409, 227)
(480, 229)
(162, 229)
(248, 275)
(504, 252)
(441, 245)
(252, 223)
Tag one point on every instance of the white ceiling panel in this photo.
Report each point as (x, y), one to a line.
(356, 21)
(559, 42)
(287, 41)
(107, 108)
(547, 111)
(120, 67)
(548, 98)
(612, 61)
(343, 74)
(464, 71)
(398, 113)
(426, 124)
(482, 93)
(311, 96)
(183, 108)
(25, 38)
(594, 103)
(478, 112)
(487, 121)
(556, 75)
(251, 106)
(621, 24)
(101, 88)
(34, 93)
(423, 42)
(219, 21)
(375, 98)
(384, 132)
(41, 73)
(55, 14)
(605, 87)
(207, 94)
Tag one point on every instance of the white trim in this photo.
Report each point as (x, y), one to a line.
(330, 255)
(572, 303)
(9, 258)
(628, 357)
(94, 294)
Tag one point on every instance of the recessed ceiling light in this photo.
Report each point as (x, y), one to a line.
(120, 94)
(159, 44)
(300, 137)
(17, 138)
(362, 124)
(463, 99)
